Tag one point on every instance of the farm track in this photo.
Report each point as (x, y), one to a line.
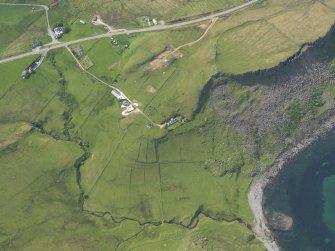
(113, 88)
(46, 8)
(55, 45)
(210, 26)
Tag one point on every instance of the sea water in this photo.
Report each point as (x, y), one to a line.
(328, 191)
(305, 191)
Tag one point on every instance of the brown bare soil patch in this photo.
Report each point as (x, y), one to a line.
(163, 59)
(151, 89)
(158, 64)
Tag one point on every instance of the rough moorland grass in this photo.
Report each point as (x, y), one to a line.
(124, 13)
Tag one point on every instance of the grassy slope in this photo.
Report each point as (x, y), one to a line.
(39, 206)
(149, 175)
(254, 39)
(19, 28)
(207, 236)
(50, 194)
(124, 13)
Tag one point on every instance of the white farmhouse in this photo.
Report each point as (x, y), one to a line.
(58, 32)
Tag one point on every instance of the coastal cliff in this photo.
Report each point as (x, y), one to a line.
(292, 104)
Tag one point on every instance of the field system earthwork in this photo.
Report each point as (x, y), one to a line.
(163, 163)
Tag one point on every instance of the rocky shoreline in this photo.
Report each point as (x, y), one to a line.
(259, 183)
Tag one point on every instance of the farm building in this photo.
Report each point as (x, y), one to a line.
(32, 67)
(118, 94)
(172, 121)
(58, 32)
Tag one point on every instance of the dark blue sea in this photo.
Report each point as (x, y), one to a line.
(305, 191)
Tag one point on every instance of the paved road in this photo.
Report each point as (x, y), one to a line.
(124, 31)
(46, 8)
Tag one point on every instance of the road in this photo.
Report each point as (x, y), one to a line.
(46, 8)
(123, 31)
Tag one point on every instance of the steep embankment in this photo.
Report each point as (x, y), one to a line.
(280, 112)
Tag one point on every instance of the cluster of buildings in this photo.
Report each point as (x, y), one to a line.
(172, 121)
(32, 67)
(175, 120)
(124, 102)
(149, 21)
(129, 107)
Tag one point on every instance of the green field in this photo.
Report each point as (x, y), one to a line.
(78, 30)
(76, 175)
(254, 39)
(20, 27)
(122, 14)
(128, 171)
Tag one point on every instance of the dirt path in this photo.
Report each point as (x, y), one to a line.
(114, 88)
(210, 26)
(162, 60)
(46, 8)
